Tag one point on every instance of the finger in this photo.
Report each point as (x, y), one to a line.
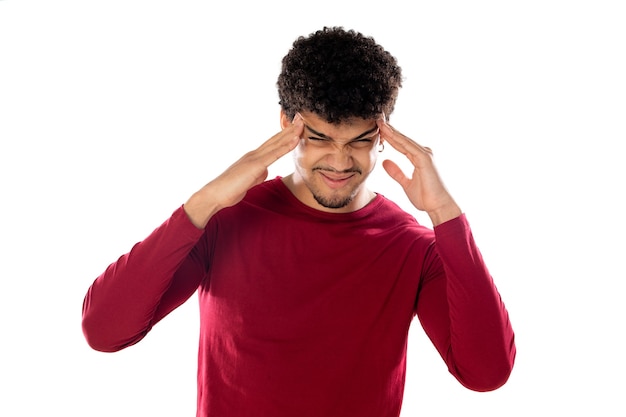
(396, 173)
(397, 139)
(400, 142)
(280, 144)
(289, 133)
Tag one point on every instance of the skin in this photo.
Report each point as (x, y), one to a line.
(332, 162)
(424, 188)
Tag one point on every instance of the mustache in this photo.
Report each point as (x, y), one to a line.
(333, 170)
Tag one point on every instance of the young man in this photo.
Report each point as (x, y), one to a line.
(308, 284)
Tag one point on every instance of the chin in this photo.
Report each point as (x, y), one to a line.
(333, 201)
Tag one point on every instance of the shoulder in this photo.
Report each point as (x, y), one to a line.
(269, 195)
(264, 199)
(389, 210)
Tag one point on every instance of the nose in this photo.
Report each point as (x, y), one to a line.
(340, 156)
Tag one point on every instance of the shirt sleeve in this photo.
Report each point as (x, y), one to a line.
(144, 285)
(462, 312)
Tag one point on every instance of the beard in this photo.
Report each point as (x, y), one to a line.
(333, 202)
(337, 199)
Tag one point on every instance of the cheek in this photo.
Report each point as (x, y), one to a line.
(304, 155)
(299, 154)
(371, 158)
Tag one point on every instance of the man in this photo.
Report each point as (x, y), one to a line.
(308, 284)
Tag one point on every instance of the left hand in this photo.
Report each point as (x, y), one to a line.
(425, 188)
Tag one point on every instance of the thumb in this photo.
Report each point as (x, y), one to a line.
(395, 172)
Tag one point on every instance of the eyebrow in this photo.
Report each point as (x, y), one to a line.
(361, 136)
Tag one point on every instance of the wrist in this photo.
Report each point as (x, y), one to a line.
(443, 214)
(200, 208)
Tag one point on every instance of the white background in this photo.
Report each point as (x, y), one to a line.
(113, 113)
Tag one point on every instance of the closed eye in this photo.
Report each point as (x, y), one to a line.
(362, 143)
(320, 142)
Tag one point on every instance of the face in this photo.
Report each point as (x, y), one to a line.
(332, 163)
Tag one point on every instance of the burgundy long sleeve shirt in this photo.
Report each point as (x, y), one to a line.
(306, 313)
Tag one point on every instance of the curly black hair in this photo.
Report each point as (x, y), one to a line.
(338, 74)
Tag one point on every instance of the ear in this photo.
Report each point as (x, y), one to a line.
(284, 120)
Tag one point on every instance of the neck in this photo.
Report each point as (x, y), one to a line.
(299, 189)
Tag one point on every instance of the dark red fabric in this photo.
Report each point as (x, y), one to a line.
(306, 313)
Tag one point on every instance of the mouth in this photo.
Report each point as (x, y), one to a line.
(336, 180)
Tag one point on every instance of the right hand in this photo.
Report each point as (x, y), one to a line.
(231, 186)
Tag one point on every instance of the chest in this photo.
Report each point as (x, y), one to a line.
(302, 281)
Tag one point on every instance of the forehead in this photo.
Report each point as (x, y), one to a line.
(345, 130)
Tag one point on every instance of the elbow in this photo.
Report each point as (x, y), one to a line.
(94, 330)
(99, 346)
(491, 375)
(103, 330)
(98, 338)
(102, 335)
(489, 382)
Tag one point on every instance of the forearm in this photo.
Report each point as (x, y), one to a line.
(202, 205)
(473, 332)
(121, 305)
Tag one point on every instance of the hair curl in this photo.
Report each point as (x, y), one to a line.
(338, 75)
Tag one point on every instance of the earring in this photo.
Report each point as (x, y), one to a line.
(382, 147)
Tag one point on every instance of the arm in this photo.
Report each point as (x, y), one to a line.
(165, 269)
(144, 285)
(458, 305)
(462, 313)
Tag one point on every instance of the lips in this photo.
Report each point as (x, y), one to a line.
(335, 180)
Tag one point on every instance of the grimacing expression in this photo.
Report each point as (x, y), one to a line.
(332, 162)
